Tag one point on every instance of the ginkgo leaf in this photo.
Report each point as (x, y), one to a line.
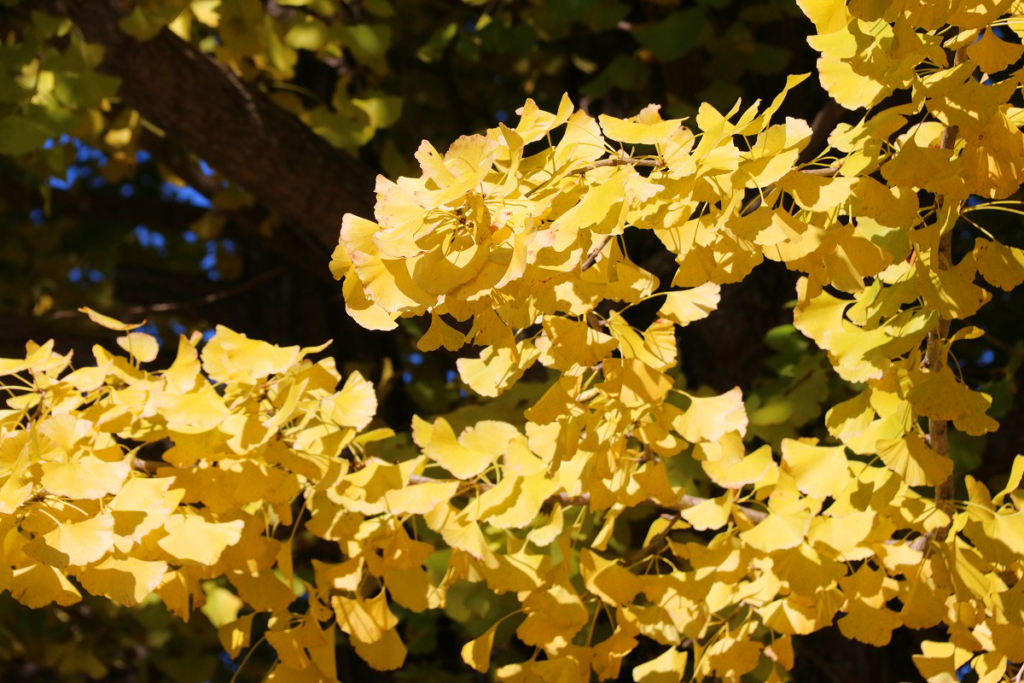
(778, 531)
(668, 667)
(709, 418)
(637, 132)
(546, 533)
(819, 471)
(222, 606)
(497, 368)
(477, 652)
(868, 624)
(127, 581)
(999, 264)
(993, 54)
(710, 514)
(262, 590)
(814, 192)
(356, 403)
(691, 305)
(232, 357)
(440, 334)
(607, 580)
(38, 585)
(86, 477)
(142, 505)
(419, 499)
(385, 654)
(914, 461)
(108, 322)
(749, 469)
(143, 347)
(939, 662)
(572, 346)
(191, 538)
(234, 637)
(516, 501)
(74, 543)
(828, 16)
(473, 453)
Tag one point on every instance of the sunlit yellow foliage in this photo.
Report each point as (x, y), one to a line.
(134, 481)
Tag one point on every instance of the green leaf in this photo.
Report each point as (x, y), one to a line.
(673, 36)
(20, 135)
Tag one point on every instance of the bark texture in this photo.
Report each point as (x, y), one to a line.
(239, 131)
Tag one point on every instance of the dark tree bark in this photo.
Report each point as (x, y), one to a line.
(237, 130)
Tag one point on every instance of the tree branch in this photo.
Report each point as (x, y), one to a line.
(238, 131)
(938, 430)
(685, 501)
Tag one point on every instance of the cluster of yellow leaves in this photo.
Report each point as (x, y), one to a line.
(510, 241)
(242, 430)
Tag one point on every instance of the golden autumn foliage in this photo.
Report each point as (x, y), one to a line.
(509, 242)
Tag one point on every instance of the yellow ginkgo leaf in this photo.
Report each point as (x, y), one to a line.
(385, 654)
(108, 322)
(263, 590)
(441, 334)
(356, 403)
(419, 499)
(999, 264)
(750, 469)
(194, 412)
(668, 667)
(39, 585)
(143, 347)
(126, 580)
(547, 531)
(687, 306)
(222, 606)
(711, 514)
(234, 637)
(637, 131)
(477, 652)
(413, 589)
(572, 346)
(815, 192)
(74, 543)
(193, 539)
(709, 418)
(473, 452)
(804, 570)
(993, 54)
(609, 581)
(914, 461)
(497, 368)
(819, 471)
(86, 477)
(868, 624)
(828, 16)
(778, 531)
(232, 357)
(521, 500)
(142, 505)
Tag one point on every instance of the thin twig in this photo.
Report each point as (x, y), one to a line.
(211, 298)
(655, 542)
(565, 500)
(618, 161)
(593, 255)
(938, 430)
(755, 203)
